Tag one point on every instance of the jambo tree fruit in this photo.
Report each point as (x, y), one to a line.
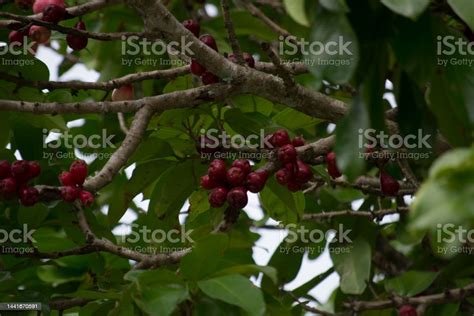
(217, 170)
(29, 196)
(5, 170)
(8, 187)
(78, 171)
(77, 42)
(54, 13)
(21, 170)
(280, 138)
(236, 176)
(207, 183)
(209, 78)
(70, 193)
(237, 198)
(209, 41)
(303, 172)
(196, 68)
(388, 184)
(66, 179)
(39, 5)
(256, 181)
(287, 154)
(332, 166)
(16, 37)
(35, 169)
(39, 34)
(242, 164)
(298, 141)
(218, 197)
(249, 60)
(283, 176)
(193, 26)
(124, 93)
(86, 198)
(407, 310)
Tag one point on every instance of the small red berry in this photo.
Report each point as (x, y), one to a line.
(77, 42)
(209, 78)
(217, 170)
(332, 165)
(54, 13)
(280, 138)
(16, 37)
(196, 68)
(236, 176)
(303, 172)
(193, 26)
(407, 310)
(86, 198)
(29, 196)
(209, 41)
(287, 154)
(283, 176)
(78, 171)
(388, 184)
(298, 141)
(243, 164)
(249, 60)
(39, 5)
(8, 187)
(66, 179)
(35, 169)
(21, 170)
(124, 93)
(207, 183)
(237, 198)
(70, 194)
(39, 34)
(218, 197)
(256, 181)
(5, 170)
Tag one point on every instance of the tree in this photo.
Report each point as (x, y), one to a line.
(350, 117)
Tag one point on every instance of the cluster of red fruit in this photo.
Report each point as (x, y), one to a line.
(14, 181)
(72, 182)
(294, 173)
(232, 185)
(53, 11)
(407, 310)
(199, 70)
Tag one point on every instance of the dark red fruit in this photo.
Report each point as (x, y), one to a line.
(77, 42)
(218, 197)
(39, 5)
(242, 164)
(29, 196)
(237, 198)
(8, 187)
(236, 176)
(196, 68)
(16, 37)
(407, 310)
(86, 198)
(388, 184)
(217, 170)
(256, 181)
(280, 138)
(249, 60)
(39, 34)
(124, 93)
(283, 176)
(35, 169)
(78, 171)
(54, 13)
(70, 194)
(209, 41)
(298, 141)
(5, 169)
(193, 26)
(303, 172)
(287, 154)
(294, 186)
(209, 78)
(21, 170)
(332, 166)
(207, 183)
(66, 179)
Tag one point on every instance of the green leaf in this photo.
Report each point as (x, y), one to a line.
(251, 269)
(296, 9)
(465, 9)
(410, 283)
(408, 8)
(236, 290)
(293, 119)
(246, 123)
(353, 267)
(199, 204)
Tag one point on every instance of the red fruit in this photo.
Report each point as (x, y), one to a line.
(237, 198)
(294, 186)
(86, 198)
(77, 42)
(298, 141)
(24, 4)
(388, 184)
(256, 181)
(332, 166)
(249, 60)
(217, 170)
(5, 170)
(407, 310)
(66, 179)
(29, 196)
(39, 5)
(193, 26)
(207, 183)
(209, 41)
(283, 176)
(280, 138)
(39, 34)
(54, 13)
(303, 172)
(70, 194)
(287, 154)
(21, 170)
(16, 37)
(218, 197)
(236, 176)
(78, 171)
(243, 164)
(124, 93)
(209, 78)
(196, 68)
(8, 187)
(35, 169)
